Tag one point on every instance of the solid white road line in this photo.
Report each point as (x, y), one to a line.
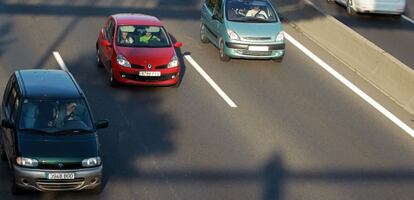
(60, 61)
(407, 18)
(210, 81)
(351, 86)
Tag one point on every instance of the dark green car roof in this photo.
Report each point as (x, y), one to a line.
(41, 83)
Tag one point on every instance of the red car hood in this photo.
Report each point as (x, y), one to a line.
(145, 56)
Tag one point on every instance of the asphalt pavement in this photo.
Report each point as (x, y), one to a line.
(297, 133)
(393, 35)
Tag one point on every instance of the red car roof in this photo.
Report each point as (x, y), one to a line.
(136, 19)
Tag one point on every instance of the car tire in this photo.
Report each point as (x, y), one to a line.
(112, 81)
(277, 60)
(97, 189)
(98, 59)
(222, 54)
(203, 36)
(396, 17)
(3, 156)
(176, 85)
(349, 8)
(14, 188)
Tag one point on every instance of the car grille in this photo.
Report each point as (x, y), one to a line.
(257, 38)
(76, 165)
(137, 66)
(142, 67)
(73, 184)
(256, 53)
(135, 77)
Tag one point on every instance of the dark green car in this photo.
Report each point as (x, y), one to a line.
(48, 135)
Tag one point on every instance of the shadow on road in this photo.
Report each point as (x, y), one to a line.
(5, 36)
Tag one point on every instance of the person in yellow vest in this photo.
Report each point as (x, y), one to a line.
(147, 37)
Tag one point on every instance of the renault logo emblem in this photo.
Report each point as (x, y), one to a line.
(60, 165)
(149, 66)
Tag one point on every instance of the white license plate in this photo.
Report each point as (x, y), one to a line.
(60, 176)
(258, 48)
(149, 73)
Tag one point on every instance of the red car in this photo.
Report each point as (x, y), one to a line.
(136, 49)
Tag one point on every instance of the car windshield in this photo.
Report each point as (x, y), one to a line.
(55, 116)
(142, 36)
(256, 11)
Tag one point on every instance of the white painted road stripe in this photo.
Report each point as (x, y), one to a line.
(210, 81)
(351, 86)
(60, 61)
(407, 18)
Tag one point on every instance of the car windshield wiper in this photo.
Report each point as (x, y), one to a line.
(73, 130)
(254, 19)
(35, 130)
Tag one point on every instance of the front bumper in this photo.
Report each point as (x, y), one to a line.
(28, 178)
(130, 76)
(241, 50)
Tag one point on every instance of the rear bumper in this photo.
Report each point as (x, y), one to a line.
(88, 178)
(381, 8)
(241, 50)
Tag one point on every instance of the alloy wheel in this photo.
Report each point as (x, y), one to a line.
(203, 37)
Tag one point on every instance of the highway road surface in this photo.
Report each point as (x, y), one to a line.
(393, 35)
(296, 133)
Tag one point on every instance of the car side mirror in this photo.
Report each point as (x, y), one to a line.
(105, 43)
(102, 124)
(178, 44)
(7, 124)
(215, 17)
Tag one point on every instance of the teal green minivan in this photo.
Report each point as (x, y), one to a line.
(243, 29)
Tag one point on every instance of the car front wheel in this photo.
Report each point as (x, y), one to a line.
(112, 80)
(14, 188)
(98, 59)
(97, 189)
(203, 36)
(349, 8)
(2, 152)
(222, 54)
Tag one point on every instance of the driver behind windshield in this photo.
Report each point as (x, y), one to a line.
(53, 115)
(255, 11)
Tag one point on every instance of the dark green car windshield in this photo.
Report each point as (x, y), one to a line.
(55, 116)
(254, 11)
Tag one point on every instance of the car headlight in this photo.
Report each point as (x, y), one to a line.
(233, 35)
(280, 36)
(122, 61)
(27, 162)
(173, 62)
(91, 162)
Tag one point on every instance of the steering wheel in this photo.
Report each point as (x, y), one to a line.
(259, 15)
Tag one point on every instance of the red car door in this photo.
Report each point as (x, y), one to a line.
(107, 44)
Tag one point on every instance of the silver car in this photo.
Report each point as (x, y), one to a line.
(394, 7)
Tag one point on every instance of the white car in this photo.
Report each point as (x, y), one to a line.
(394, 7)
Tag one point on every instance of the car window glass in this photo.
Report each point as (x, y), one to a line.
(210, 4)
(255, 11)
(218, 9)
(12, 97)
(15, 109)
(55, 115)
(111, 30)
(142, 36)
(6, 95)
